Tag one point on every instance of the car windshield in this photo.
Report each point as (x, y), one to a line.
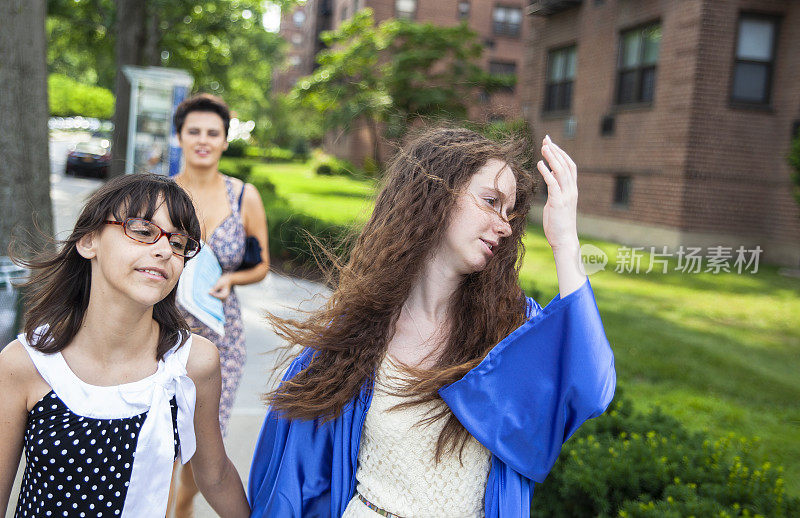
(91, 147)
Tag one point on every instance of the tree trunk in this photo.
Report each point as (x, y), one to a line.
(152, 54)
(25, 209)
(131, 34)
(376, 145)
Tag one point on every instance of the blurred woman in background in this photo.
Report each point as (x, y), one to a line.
(229, 211)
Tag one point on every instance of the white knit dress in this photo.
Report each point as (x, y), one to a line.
(396, 468)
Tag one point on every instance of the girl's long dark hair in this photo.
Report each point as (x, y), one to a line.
(351, 331)
(57, 293)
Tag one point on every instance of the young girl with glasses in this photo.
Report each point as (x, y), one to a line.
(106, 386)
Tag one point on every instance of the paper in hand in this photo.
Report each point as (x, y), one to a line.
(200, 275)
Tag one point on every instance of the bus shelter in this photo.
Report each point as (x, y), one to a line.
(152, 141)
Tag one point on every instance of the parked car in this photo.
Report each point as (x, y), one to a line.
(90, 159)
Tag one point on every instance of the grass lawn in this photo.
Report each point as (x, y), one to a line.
(337, 199)
(719, 352)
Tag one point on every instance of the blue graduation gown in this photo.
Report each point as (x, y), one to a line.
(529, 395)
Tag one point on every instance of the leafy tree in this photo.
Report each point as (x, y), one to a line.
(222, 43)
(225, 47)
(434, 72)
(290, 125)
(393, 73)
(80, 40)
(350, 81)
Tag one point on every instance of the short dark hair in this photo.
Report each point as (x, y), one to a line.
(202, 103)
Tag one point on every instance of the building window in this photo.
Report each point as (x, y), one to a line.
(622, 191)
(297, 39)
(405, 9)
(755, 54)
(343, 14)
(607, 125)
(504, 68)
(561, 65)
(638, 58)
(507, 21)
(463, 10)
(299, 17)
(295, 61)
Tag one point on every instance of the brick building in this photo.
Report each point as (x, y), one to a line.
(499, 24)
(300, 27)
(679, 113)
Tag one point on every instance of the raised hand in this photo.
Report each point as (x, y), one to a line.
(560, 215)
(559, 219)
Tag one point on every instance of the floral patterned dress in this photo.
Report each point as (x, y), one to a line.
(227, 243)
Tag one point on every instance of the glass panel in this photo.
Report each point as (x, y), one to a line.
(499, 14)
(566, 96)
(750, 82)
(648, 84)
(514, 16)
(622, 187)
(405, 7)
(463, 10)
(627, 87)
(550, 102)
(652, 43)
(631, 49)
(571, 63)
(755, 39)
(556, 66)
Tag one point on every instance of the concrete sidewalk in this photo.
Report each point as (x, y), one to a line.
(281, 295)
(278, 294)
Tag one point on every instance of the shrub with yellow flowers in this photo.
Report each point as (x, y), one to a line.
(634, 465)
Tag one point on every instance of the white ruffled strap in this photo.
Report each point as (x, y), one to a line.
(152, 465)
(186, 398)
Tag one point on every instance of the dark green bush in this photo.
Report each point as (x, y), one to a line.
(265, 187)
(635, 465)
(326, 164)
(296, 238)
(236, 148)
(324, 169)
(242, 171)
(300, 148)
(794, 161)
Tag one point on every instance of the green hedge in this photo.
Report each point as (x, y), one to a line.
(69, 98)
(241, 149)
(794, 161)
(631, 464)
(236, 148)
(292, 234)
(270, 154)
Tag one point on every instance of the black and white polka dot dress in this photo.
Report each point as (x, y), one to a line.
(105, 451)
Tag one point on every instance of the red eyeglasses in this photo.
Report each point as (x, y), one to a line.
(147, 232)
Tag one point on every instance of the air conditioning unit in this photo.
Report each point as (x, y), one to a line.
(570, 125)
